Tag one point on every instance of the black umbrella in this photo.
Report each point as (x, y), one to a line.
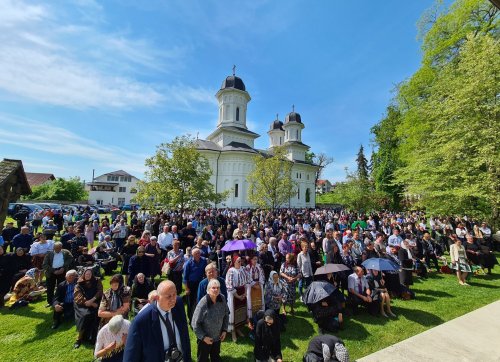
(318, 291)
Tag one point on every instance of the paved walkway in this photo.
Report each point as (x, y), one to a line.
(474, 336)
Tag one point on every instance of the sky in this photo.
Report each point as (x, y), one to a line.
(96, 85)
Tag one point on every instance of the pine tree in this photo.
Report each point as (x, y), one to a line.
(362, 164)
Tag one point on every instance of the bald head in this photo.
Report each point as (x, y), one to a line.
(167, 295)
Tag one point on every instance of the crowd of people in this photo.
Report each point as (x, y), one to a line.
(256, 287)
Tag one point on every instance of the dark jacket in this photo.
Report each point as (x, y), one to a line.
(60, 293)
(145, 341)
(316, 345)
(267, 338)
(138, 264)
(49, 258)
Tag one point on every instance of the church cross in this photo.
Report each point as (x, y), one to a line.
(234, 70)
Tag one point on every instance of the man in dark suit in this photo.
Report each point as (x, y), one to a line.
(63, 301)
(55, 264)
(159, 328)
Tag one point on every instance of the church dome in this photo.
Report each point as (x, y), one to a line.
(276, 125)
(233, 82)
(293, 117)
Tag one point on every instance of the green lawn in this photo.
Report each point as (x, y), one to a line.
(26, 334)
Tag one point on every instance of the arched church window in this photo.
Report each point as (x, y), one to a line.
(297, 135)
(308, 195)
(236, 190)
(237, 113)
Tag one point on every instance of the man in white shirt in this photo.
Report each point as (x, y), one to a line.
(55, 264)
(359, 291)
(395, 239)
(165, 240)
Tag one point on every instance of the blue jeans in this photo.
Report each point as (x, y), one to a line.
(304, 283)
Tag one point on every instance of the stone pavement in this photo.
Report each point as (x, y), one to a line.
(474, 336)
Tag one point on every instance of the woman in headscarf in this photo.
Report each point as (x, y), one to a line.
(406, 261)
(21, 291)
(138, 264)
(255, 289)
(268, 338)
(88, 293)
(140, 290)
(115, 301)
(236, 280)
(153, 253)
(276, 292)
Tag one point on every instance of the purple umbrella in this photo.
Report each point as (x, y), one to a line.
(235, 245)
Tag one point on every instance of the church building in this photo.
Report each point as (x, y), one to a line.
(230, 149)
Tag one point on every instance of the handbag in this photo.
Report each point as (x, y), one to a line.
(165, 269)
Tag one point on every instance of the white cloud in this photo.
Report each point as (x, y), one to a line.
(44, 58)
(68, 144)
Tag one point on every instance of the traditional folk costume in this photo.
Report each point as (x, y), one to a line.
(236, 283)
(255, 297)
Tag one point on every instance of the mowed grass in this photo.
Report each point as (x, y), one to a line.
(25, 333)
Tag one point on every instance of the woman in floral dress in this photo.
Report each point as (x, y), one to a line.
(290, 273)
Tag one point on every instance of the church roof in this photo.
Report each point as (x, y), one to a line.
(232, 146)
(233, 82)
(240, 129)
(276, 125)
(293, 117)
(298, 143)
(207, 145)
(238, 146)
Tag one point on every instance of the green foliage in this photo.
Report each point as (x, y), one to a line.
(310, 156)
(385, 160)
(362, 164)
(440, 139)
(270, 182)
(178, 176)
(357, 194)
(60, 189)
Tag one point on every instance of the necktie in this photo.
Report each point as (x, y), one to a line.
(360, 287)
(170, 331)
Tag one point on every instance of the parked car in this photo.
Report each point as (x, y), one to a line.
(130, 207)
(101, 209)
(16, 207)
(49, 206)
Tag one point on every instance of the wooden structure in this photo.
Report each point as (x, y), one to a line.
(13, 184)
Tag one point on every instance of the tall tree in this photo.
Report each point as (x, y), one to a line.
(60, 189)
(178, 176)
(362, 164)
(270, 182)
(440, 138)
(385, 159)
